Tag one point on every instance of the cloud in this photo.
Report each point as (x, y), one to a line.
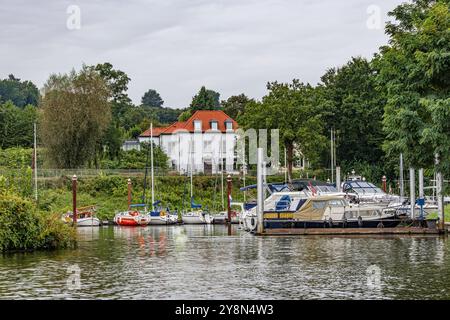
(175, 46)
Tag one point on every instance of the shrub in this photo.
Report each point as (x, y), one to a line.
(23, 228)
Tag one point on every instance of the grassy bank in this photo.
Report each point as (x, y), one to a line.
(109, 193)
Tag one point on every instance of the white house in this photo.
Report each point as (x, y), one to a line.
(205, 142)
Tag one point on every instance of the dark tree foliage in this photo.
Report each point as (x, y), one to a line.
(205, 99)
(21, 93)
(152, 99)
(16, 125)
(351, 104)
(234, 106)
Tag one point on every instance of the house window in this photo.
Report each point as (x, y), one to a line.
(214, 125)
(229, 125)
(207, 146)
(197, 125)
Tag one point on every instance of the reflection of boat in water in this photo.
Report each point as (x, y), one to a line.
(329, 211)
(132, 217)
(85, 217)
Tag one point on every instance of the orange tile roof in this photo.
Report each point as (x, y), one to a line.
(206, 116)
(156, 132)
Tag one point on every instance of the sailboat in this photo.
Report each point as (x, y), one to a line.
(157, 216)
(196, 215)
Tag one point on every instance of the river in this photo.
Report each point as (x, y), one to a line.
(204, 262)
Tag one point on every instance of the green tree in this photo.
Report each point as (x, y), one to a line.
(414, 68)
(205, 99)
(290, 108)
(184, 116)
(75, 115)
(16, 125)
(234, 106)
(351, 105)
(152, 99)
(21, 93)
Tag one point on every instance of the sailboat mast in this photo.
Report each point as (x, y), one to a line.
(244, 167)
(35, 164)
(221, 173)
(151, 168)
(192, 167)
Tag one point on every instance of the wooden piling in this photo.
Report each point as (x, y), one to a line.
(129, 194)
(74, 199)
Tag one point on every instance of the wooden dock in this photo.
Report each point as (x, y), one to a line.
(350, 231)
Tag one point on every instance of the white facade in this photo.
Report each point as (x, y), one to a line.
(202, 151)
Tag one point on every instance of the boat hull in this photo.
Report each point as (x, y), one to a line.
(372, 223)
(161, 221)
(88, 222)
(196, 219)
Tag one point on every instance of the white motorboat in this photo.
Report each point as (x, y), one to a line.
(85, 217)
(197, 217)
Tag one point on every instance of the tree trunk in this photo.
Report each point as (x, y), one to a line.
(290, 159)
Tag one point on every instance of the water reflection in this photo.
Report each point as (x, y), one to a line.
(201, 262)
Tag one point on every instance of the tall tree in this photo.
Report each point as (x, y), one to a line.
(75, 114)
(152, 99)
(414, 68)
(290, 108)
(21, 93)
(353, 107)
(205, 99)
(235, 105)
(16, 125)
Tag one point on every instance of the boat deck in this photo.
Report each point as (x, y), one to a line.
(350, 231)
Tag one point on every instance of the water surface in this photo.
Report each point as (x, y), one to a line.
(204, 262)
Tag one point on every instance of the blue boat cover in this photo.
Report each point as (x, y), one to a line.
(195, 205)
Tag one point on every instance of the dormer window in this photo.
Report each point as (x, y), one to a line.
(214, 125)
(229, 125)
(197, 125)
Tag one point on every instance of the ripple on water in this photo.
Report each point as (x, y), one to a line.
(203, 262)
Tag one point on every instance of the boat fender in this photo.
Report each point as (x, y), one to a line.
(253, 223)
(360, 221)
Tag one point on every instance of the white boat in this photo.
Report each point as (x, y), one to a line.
(197, 217)
(162, 218)
(85, 217)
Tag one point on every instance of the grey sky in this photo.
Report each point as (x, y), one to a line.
(175, 47)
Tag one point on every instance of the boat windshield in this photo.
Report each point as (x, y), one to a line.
(326, 189)
(362, 187)
(284, 202)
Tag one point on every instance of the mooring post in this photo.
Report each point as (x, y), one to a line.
(229, 185)
(440, 201)
(383, 183)
(74, 199)
(338, 179)
(402, 191)
(260, 191)
(412, 191)
(129, 194)
(421, 193)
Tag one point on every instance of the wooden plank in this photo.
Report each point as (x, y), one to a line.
(348, 231)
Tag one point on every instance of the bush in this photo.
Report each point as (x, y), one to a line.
(23, 228)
